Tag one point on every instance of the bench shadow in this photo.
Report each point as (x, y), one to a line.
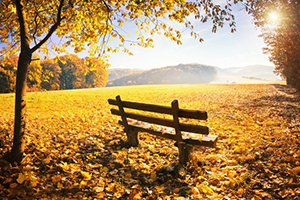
(167, 177)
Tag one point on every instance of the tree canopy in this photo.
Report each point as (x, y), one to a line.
(89, 24)
(280, 27)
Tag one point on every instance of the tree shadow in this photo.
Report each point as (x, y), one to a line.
(286, 89)
(285, 103)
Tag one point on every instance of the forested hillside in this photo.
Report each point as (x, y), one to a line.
(118, 73)
(179, 74)
(64, 72)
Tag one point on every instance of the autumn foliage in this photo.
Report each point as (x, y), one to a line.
(64, 72)
(76, 149)
(281, 35)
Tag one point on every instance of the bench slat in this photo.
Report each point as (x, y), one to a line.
(164, 122)
(153, 132)
(192, 114)
(207, 141)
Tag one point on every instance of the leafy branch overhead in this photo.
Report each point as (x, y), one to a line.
(90, 24)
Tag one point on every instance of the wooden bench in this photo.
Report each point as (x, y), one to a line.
(184, 144)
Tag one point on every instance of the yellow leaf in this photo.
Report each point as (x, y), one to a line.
(110, 187)
(21, 178)
(207, 190)
(86, 175)
(64, 166)
(33, 181)
(195, 190)
(98, 189)
(83, 183)
(104, 169)
(59, 185)
(240, 191)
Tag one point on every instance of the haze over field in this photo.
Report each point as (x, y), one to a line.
(192, 73)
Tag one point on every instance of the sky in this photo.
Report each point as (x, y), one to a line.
(222, 49)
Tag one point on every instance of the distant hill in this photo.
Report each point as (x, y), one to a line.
(259, 72)
(179, 74)
(117, 73)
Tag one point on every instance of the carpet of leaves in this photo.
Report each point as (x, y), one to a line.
(76, 150)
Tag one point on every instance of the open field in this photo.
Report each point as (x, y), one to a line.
(76, 150)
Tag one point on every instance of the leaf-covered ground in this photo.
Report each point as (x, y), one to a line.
(76, 150)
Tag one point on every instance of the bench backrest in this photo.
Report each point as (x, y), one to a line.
(173, 110)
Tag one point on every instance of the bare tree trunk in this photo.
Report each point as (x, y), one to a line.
(17, 151)
(16, 154)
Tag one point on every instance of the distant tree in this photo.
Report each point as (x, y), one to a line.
(72, 72)
(26, 26)
(278, 20)
(35, 76)
(97, 73)
(51, 75)
(8, 69)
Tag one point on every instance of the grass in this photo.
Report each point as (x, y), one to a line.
(76, 150)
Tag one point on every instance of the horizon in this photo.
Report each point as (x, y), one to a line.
(254, 65)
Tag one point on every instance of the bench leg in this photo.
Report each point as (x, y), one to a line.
(132, 137)
(184, 152)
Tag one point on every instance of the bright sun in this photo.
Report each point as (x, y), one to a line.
(274, 17)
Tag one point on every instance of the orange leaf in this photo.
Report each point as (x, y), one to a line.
(13, 185)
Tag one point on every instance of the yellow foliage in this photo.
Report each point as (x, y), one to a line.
(21, 178)
(86, 175)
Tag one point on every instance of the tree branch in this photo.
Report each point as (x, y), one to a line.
(52, 29)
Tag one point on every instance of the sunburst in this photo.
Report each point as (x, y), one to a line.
(274, 17)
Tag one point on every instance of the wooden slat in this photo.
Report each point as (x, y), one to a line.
(207, 141)
(144, 118)
(164, 122)
(143, 106)
(153, 132)
(192, 114)
(194, 128)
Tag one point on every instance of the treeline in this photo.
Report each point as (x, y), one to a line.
(60, 73)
